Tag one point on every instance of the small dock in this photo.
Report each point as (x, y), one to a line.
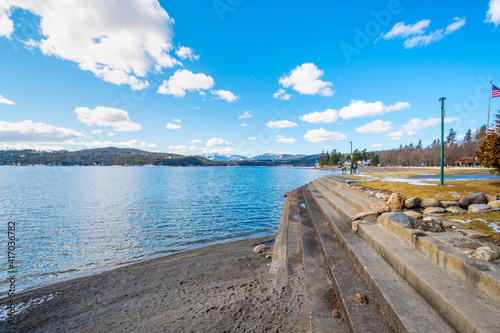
(383, 276)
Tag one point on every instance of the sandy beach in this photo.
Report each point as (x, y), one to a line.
(220, 288)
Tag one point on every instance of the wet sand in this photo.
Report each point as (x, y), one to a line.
(219, 288)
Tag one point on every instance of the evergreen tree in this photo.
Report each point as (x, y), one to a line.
(452, 136)
(375, 160)
(489, 147)
(468, 136)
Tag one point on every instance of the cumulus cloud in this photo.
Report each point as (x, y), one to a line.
(322, 135)
(364, 109)
(96, 132)
(252, 138)
(29, 131)
(281, 124)
(305, 79)
(6, 24)
(216, 142)
(280, 94)
(120, 42)
(377, 127)
(106, 116)
(415, 33)
(244, 124)
(327, 116)
(176, 120)
(35, 146)
(127, 144)
(4, 100)
(181, 148)
(111, 134)
(246, 114)
(416, 124)
(493, 13)
(195, 141)
(378, 145)
(186, 53)
(283, 139)
(183, 80)
(225, 95)
(173, 126)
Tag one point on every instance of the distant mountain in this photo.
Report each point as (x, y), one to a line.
(223, 157)
(264, 157)
(275, 157)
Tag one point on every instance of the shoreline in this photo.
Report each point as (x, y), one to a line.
(216, 287)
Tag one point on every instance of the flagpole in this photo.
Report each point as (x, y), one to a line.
(489, 102)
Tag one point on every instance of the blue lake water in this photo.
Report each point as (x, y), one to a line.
(73, 221)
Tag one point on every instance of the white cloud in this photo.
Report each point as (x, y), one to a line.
(202, 93)
(4, 100)
(327, 116)
(246, 114)
(252, 138)
(182, 148)
(111, 134)
(378, 145)
(377, 127)
(306, 80)
(185, 52)
(28, 131)
(173, 126)
(129, 144)
(244, 124)
(280, 94)
(216, 142)
(105, 116)
(183, 80)
(96, 132)
(119, 41)
(416, 124)
(19, 146)
(6, 24)
(282, 139)
(177, 120)
(322, 135)
(225, 95)
(493, 13)
(195, 141)
(363, 109)
(415, 33)
(281, 124)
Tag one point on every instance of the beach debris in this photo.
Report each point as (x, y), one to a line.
(484, 253)
(402, 219)
(380, 208)
(430, 224)
(434, 210)
(412, 203)
(425, 203)
(260, 248)
(479, 208)
(473, 199)
(396, 201)
(360, 298)
(336, 313)
(269, 256)
(455, 210)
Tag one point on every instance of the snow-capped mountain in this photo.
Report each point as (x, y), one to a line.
(264, 157)
(223, 157)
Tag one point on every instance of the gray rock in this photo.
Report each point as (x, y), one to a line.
(396, 201)
(485, 253)
(494, 203)
(455, 210)
(490, 197)
(380, 208)
(471, 233)
(430, 224)
(459, 241)
(414, 215)
(382, 195)
(479, 208)
(412, 202)
(473, 199)
(447, 204)
(260, 248)
(402, 219)
(430, 203)
(370, 215)
(434, 210)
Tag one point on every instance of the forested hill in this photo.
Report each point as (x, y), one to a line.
(127, 156)
(99, 156)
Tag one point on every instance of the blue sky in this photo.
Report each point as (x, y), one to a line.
(243, 77)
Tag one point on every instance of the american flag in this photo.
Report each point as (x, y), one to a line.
(495, 91)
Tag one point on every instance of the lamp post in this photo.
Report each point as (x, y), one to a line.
(442, 140)
(351, 155)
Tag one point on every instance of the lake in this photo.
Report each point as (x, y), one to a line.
(74, 221)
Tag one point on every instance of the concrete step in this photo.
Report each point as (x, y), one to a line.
(278, 263)
(345, 280)
(353, 200)
(343, 185)
(343, 209)
(320, 293)
(462, 307)
(405, 309)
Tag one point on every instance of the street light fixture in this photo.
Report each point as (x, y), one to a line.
(351, 155)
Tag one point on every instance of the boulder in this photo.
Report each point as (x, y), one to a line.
(494, 204)
(430, 224)
(380, 208)
(260, 248)
(473, 199)
(455, 210)
(434, 210)
(490, 197)
(382, 195)
(414, 215)
(430, 203)
(370, 215)
(412, 203)
(479, 208)
(447, 204)
(402, 219)
(485, 253)
(396, 201)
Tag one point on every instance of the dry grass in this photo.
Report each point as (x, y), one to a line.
(486, 223)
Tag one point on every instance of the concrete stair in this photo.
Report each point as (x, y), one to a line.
(412, 281)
